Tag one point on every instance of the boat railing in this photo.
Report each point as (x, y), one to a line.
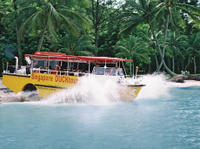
(59, 72)
(26, 71)
(11, 69)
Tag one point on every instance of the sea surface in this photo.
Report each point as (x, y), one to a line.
(168, 121)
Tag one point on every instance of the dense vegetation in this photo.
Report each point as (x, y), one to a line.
(159, 35)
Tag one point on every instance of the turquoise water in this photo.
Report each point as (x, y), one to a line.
(161, 123)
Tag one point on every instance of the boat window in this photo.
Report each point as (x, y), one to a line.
(108, 71)
(98, 70)
(120, 72)
(114, 71)
(83, 67)
(39, 64)
(53, 64)
(64, 66)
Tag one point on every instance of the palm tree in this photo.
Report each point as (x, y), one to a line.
(175, 45)
(193, 50)
(78, 45)
(49, 16)
(160, 15)
(133, 48)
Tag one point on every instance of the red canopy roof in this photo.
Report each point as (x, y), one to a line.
(63, 56)
(51, 56)
(102, 59)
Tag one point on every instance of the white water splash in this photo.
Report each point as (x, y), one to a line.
(102, 90)
(6, 97)
(98, 90)
(156, 86)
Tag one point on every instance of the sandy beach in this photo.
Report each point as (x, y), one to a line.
(187, 83)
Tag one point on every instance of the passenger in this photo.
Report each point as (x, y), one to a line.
(37, 70)
(116, 70)
(57, 67)
(76, 73)
(95, 68)
(56, 70)
(46, 69)
(28, 69)
(111, 71)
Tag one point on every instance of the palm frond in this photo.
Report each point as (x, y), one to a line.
(51, 28)
(71, 26)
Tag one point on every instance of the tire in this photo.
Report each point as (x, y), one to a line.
(30, 91)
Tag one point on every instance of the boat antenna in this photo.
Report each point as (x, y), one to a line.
(68, 65)
(7, 66)
(16, 64)
(105, 67)
(136, 71)
(48, 65)
(89, 68)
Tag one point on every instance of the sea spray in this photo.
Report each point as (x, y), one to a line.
(99, 90)
(156, 85)
(6, 97)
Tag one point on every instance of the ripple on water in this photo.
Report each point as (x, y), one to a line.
(165, 122)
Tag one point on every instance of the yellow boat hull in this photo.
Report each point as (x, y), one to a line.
(47, 84)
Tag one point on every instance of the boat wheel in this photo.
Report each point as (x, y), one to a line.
(31, 92)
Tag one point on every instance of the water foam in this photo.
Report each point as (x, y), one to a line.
(6, 97)
(102, 90)
(99, 90)
(156, 86)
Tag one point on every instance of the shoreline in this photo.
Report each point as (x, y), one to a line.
(186, 83)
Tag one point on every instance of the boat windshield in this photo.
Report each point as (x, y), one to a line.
(108, 71)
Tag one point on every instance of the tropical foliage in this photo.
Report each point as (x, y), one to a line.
(159, 35)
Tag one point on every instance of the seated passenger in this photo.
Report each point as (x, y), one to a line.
(76, 73)
(56, 70)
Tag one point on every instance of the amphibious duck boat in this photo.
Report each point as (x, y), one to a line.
(49, 72)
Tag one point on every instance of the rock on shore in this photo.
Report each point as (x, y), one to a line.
(181, 78)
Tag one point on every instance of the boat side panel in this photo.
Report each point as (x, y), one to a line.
(15, 83)
(45, 91)
(46, 84)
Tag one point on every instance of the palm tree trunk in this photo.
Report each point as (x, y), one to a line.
(162, 53)
(158, 46)
(195, 66)
(162, 59)
(173, 64)
(19, 49)
(130, 69)
(96, 36)
(188, 63)
(168, 70)
(41, 39)
(156, 59)
(95, 15)
(149, 68)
